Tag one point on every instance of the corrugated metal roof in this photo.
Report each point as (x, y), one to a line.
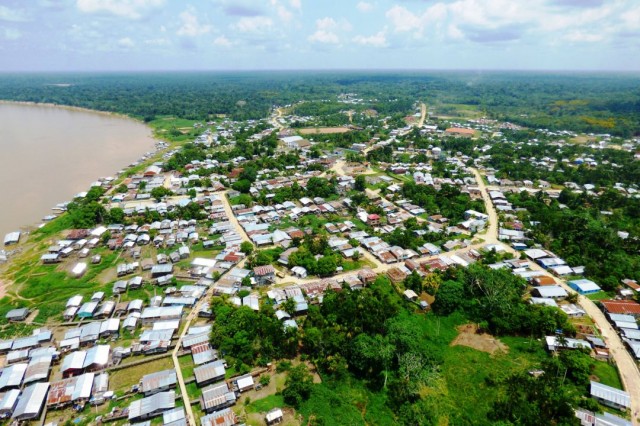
(217, 395)
(38, 368)
(12, 376)
(31, 401)
(83, 387)
(9, 399)
(172, 417)
(101, 383)
(224, 417)
(158, 380)
(73, 361)
(611, 394)
(209, 371)
(195, 339)
(155, 403)
(97, 355)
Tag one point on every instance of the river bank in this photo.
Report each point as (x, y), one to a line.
(50, 153)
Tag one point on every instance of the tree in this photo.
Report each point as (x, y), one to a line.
(449, 297)
(159, 192)
(242, 185)
(360, 183)
(299, 384)
(246, 247)
(413, 282)
(326, 266)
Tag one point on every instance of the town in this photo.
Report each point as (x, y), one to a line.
(186, 289)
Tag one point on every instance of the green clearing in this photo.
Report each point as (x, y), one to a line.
(186, 365)
(601, 295)
(462, 392)
(48, 287)
(607, 373)
(265, 404)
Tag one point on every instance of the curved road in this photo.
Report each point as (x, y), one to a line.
(627, 367)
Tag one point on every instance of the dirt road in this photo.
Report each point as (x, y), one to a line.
(423, 114)
(627, 367)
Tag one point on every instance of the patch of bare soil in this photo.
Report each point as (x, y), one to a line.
(470, 337)
(318, 130)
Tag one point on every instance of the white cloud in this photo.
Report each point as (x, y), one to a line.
(131, 9)
(296, 4)
(222, 41)
(253, 24)
(126, 43)
(157, 42)
(584, 37)
(364, 6)
(376, 40)
(325, 31)
(11, 34)
(191, 26)
(12, 15)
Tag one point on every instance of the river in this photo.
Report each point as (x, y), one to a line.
(48, 154)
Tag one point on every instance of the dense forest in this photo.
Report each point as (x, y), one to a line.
(603, 103)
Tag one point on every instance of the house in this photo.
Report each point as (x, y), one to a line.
(265, 274)
(628, 307)
(160, 381)
(584, 286)
(209, 373)
(151, 406)
(224, 417)
(410, 295)
(373, 219)
(17, 315)
(550, 291)
(274, 416)
(31, 402)
(245, 383)
(217, 397)
(610, 396)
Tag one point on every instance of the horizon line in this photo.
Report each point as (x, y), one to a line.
(323, 70)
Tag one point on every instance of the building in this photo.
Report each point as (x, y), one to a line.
(628, 307)
(550, 291)
(610, 396)
(217, 397)
(224, 417)
(264, 274)
(17, 315)
(31, 402)
(160, 381)
(584, 286)
(151, 406)
(274, 416)
(209, 373)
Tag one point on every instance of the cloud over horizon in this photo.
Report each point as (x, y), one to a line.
(306, 34)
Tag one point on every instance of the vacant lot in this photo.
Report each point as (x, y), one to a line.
(484, 342)
(319, 130)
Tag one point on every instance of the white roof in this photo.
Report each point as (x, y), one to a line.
(610, 394)
(245, 382)
(551, 291)
(31, 401)
(12, 375)
(274, 414)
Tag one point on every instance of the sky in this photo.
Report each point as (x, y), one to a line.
(137, 35)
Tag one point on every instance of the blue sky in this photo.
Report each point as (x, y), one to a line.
(45, 35)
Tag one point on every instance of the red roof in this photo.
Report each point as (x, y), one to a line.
(628, 307)
(373, 217)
